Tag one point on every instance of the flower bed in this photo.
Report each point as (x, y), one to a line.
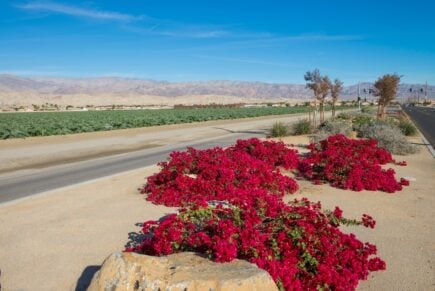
(299, 244)
(221, 174)
(351, 164)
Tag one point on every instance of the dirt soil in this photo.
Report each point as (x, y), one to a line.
(57, 240)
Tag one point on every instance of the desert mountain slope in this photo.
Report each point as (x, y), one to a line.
(114, 90)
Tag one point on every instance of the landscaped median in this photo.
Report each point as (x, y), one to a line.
(231, 206)
(56, 241)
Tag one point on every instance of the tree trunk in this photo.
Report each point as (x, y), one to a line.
(323, 111)
(379, 115)
(382, 111)
(322, 117)
(333, 108)
(309, 113)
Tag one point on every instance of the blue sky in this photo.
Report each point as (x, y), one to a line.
(271, 41)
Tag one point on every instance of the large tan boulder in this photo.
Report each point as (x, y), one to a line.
(178, 272)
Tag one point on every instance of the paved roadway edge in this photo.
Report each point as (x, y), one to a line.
(45, 193)
(428, 145)
(425, 141)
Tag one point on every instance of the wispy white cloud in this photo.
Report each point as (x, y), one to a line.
(276, 39)
(232, 35)
(53, 7)
(249, 61)
(322, 37)
(162, 28)
(141, 24)
(32, 72)
(200, 33)
(237, 40)
(146, 25)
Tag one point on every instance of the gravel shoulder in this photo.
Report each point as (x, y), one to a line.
(56, 240)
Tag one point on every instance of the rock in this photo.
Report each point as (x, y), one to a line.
(178, 272)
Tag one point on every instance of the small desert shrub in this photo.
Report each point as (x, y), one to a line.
(367, 109)
(388, 136)
(407, 128)
(392, 120)
(302, 126)
(332, 127)
(344, 116)
(279, 129)
(361, 119)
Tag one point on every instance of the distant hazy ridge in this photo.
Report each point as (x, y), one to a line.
(113, 90)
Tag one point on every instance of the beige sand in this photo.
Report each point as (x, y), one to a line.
(48, 241)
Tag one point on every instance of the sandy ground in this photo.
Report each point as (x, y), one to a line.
(56, 240)
(49, 240)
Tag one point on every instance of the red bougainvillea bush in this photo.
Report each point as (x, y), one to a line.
(233, 208)
(275, 153)
(351, 164)
(222, 174)
(300, 245)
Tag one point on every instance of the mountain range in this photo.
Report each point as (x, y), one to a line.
(17, 90)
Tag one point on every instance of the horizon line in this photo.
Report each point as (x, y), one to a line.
(103, 76)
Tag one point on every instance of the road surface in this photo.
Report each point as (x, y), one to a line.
(15, 186)
(424, 118)
(34, 177)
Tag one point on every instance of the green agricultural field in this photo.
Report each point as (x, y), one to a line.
(15, 125)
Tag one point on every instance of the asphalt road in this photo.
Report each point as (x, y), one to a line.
(424, 118)
(24, 184)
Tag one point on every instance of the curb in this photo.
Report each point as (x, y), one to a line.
(428, 145)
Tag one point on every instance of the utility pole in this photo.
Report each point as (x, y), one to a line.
(418, 95)
(358, 91)
(425, 92)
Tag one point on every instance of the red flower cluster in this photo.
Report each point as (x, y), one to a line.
(222, 174)
(234, 209)
(274, 153)
(350, 164)
(404, 182)
(300, 245)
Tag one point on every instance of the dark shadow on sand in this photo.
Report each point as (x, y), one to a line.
(85, 278)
